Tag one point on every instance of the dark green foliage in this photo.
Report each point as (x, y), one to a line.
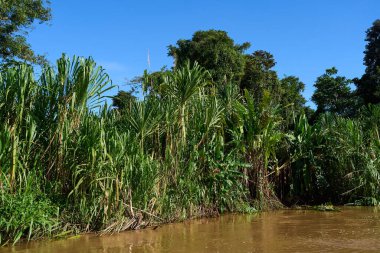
(333, 94)
(213, 50)
(152, 82)
(368, 86)
(259, 76)
(371, 53)
(16, 18)
(123, 100)
(291, 99)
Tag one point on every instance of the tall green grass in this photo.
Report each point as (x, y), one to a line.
(335, 160)
(162, 158)
(188, 148)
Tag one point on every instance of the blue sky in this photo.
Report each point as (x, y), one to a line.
(305, 37)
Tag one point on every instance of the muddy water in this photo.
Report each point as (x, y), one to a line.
(351, 230)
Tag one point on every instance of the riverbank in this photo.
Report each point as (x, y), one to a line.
(144, 220)
(352, 229)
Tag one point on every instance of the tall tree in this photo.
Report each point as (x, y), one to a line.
(259, 75)
(292, 100)
(333, 93)
(215, 51)
(16, 19)
(152, 82)
(123, 100)
(368, 86)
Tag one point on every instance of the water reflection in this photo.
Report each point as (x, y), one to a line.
(354, 229)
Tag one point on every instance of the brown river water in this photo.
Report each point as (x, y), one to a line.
(353, 229)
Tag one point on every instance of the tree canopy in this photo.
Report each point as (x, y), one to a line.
(291, 98)
(16, 19)
(368, 86)
(259, 75)
(213, 50)
(333, 93)
(123, 100)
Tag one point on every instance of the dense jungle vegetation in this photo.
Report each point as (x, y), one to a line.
(218, 132)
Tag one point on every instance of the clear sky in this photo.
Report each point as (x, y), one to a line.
(305, 37)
